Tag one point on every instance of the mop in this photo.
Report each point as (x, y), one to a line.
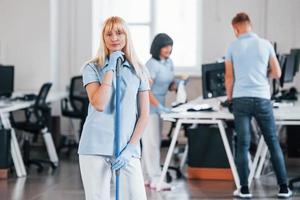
(117, 121)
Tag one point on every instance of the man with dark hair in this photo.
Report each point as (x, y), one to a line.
(247, 86)
(240, 18)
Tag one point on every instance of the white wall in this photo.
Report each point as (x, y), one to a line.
(284, 27)
(24, 41)
(75, 37)
(217, 32)
(275, 20)
(283, 23)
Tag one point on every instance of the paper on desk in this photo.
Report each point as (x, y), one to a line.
(283, 104)
(194, 106)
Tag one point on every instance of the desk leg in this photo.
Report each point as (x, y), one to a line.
(262, 161)
(229, 154)
(263, 153)
(50, 146)
(19, 189)
(256, 159)
(169, 154)
(16, 155)
(183, 160)
(15, 150)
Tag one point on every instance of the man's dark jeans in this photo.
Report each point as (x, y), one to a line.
(244, 108)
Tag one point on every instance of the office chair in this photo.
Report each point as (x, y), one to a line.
(75, 106)
(36, 123)
(292, 181)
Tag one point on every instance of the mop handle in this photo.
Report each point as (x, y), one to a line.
(117, 115)
(117, 121)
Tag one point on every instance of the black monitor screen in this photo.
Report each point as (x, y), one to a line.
(296, 52)
(282, 60)
(213, 80)
(6, 80)
(289, 68)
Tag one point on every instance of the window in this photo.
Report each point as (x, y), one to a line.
(179, 19)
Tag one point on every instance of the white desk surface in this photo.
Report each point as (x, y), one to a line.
(52, 96)
(282, 113)
(14, 105)
(8, 106)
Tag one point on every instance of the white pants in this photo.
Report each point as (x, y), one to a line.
(96, 176)
(151, 148)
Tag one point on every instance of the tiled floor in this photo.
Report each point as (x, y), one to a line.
(65, 184)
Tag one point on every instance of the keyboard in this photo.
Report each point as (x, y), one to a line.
(26, 97)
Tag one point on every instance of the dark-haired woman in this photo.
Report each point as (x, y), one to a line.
(161, 71)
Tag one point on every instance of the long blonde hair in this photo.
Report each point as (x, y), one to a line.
(103, 52)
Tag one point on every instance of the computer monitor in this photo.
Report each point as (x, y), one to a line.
(213, 80)
(296, 52)
(288, 69)
(6, 80)
(282, 59)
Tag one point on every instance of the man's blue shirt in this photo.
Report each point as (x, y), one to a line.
(250, 56)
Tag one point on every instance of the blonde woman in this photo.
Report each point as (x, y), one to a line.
(96, 147)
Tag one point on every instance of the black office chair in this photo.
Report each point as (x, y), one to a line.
(76, 107)
(293, 181)
(36, 123)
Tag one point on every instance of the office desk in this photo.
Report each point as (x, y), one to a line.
(9, 106)
(283, 116)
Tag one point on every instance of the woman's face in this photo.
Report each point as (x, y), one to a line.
(165, 52)
(114, 40)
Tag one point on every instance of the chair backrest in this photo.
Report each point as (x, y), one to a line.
(42, 96)
(76, 87)
(41, 108)
(78, 95)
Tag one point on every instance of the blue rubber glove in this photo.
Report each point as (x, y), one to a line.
(112, 62)
(124, 158)
(162, 109)
(179, 80)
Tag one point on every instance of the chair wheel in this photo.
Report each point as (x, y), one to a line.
(168, 177)
(176, 158)
(40, 169)
(291, 186)
(68, 153)
(178, 174)
(54, 166)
